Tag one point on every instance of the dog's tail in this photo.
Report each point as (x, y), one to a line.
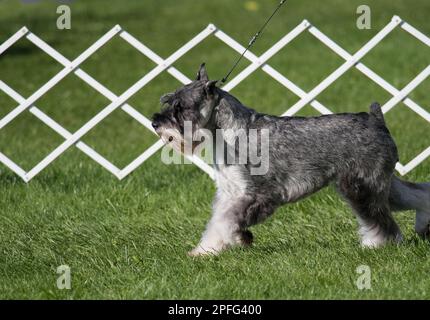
(406, 195)
(376, 111)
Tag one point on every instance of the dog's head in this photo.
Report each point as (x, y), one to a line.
(192, 104)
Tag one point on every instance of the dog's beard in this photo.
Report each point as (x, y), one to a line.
(173, 138)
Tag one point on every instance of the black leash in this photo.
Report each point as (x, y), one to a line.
(253, 40)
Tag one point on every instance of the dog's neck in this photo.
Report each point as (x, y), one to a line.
(230, 113)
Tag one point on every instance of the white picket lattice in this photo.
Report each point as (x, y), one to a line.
(167, 65)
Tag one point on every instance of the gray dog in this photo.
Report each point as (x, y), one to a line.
(353, 150)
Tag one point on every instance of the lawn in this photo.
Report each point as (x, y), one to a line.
(128, 239)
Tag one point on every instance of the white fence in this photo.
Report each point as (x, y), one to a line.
(166, 65)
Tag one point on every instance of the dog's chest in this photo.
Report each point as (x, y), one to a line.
(230, 180)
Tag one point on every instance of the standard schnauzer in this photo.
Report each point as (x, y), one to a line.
(353, 150)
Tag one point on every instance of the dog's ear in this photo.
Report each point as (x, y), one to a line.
(210, 87)
(202, 73)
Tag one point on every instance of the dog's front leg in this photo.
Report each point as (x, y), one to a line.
(224, 228)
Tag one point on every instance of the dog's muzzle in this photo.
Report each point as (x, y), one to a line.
(155, 125)
(157, 121)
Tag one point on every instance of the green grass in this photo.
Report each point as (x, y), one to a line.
(129, 239)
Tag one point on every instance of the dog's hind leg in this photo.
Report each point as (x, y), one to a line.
(370, 203)
(412, 196)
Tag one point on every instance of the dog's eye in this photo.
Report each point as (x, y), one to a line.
(177, 105)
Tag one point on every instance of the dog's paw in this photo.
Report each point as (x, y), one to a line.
(422, 225)
(368, 244)
(246, 238)
(201, 251)
(424, 232)
(381, 240)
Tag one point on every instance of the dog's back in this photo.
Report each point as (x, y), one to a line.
(344, 141)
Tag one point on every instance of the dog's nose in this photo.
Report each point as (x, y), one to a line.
(155, 125)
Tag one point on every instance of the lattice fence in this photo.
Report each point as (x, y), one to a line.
(71, 139)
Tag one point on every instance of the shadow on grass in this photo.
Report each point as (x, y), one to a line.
(8, 178)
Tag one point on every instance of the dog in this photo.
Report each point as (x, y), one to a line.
(354, 151)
